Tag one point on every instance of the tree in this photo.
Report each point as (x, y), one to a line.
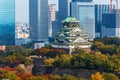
(37, 78)
(79, 51)
(55, 52)
(97, 45)
(63, 61)
(110, 76)
(69, 77)
(10, 76)
(111, 41)
(41, 51)
(28, 61)
(96, 76)
(20, 69)
(49, 62)
(11, 59)
(78, 61)
(108, 49)
(56, 77)
(2, 53)
(26, 52)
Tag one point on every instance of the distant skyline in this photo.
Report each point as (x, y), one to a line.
(22, 8)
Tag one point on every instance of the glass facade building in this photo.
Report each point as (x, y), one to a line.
(85, 13)
(64, 10)
(38, 20)
(110, 25)
(99, 11)
(7, 22)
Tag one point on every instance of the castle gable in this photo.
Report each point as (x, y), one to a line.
(80, 39)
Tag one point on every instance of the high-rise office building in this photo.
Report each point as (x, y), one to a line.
(101, 9)
(55, 25)
(85, 13)
(118, 24)
(7, 22)
(51, 17)
(110, 25)
(64, 10)
(38, 19)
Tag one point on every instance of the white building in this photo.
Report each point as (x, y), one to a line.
(51, 17)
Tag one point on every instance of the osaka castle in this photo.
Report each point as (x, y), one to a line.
(70, 36)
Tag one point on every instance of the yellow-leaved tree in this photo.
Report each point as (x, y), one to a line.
(96, 76)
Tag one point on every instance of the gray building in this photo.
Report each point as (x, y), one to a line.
(55, 27)
(64, 10)
(85, 13)
(38, 19)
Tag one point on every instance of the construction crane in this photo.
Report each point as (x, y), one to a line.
(111, 1)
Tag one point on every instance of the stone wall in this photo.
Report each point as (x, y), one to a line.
(40, 69)
(57, 71)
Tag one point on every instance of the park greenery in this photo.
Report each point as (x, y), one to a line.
(8, 73)
(103, 57)
(15, 55)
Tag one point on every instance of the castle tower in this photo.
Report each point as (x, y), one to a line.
(70, 36)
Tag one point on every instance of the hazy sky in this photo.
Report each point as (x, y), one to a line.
(22, 8)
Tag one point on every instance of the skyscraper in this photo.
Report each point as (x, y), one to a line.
(101, 9)
(110, 25)
(85, 13)
(52, 17)
(7, 22)
(64, 10)
(38, 19)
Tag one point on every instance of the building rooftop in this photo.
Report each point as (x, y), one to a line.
(82, 0)
(70, 19)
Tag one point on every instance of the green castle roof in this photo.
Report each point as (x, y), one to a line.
(70, 19)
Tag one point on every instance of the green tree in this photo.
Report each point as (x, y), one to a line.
(109, 49)
(110, 76)
(63, 61)
(10, 76)
(2, 53)
(97, 45)
(41, 52)
(111, 41)
(79, 51)
(49, 62)
(56, 77)
(55, 52)
(37, 78)
(69, 77)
